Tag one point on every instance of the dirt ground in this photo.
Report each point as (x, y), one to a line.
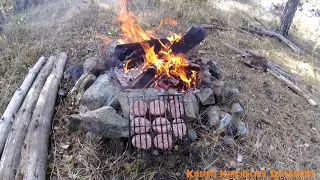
(283, 129)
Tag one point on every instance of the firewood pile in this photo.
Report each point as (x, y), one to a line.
(26, 123)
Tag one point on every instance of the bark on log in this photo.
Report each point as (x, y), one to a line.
(11, 154)
(35, 154)
(294, 88)
(261, 31)
(16, 101)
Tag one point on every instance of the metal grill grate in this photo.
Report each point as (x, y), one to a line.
(157, 125)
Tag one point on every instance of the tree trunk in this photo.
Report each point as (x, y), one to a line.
(16, 101)
(11, 154)
(287, 17)
(34, 154)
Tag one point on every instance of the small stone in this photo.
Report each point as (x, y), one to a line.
(214, 70)
(191, 106)
(62, 92)
(237, 109)
(103, 122)
(93, 65)
(206, 96)
(192, 134)
(229, 94)
(213, 115)
(217, 86)
(242, 129)
(73, 73)
(225, 120)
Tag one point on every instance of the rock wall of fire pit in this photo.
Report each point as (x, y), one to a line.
(104, 110)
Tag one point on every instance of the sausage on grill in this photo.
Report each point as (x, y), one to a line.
(140, 125)
(138, 108)
(179, 128)
(157, 107)
(163, 141)
(161, 125)
(176, 108)
(142, 141)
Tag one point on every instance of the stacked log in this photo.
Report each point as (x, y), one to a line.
(25, 150)
(16, 101)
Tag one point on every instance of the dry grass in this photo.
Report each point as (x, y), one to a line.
(287, 143)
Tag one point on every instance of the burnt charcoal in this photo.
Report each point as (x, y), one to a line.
(144, 80)
(112, 62)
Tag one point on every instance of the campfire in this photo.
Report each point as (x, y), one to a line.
(162, 62)
(152, 91)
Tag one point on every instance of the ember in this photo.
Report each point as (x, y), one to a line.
(166, 56)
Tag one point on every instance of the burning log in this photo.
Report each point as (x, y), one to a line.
(144, 80)
(190, 40)
(134, 50)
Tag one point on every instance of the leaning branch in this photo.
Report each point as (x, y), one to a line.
(293, 87)
(261, 31)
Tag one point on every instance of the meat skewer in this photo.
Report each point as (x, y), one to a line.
(157, 107)
(163, 141)
(176, 108)
(179, 128)
(161, 125)
(142, 141)
(138, 108)
(140, 125)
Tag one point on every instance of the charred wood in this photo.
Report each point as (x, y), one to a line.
(144, 80)
(134, 50)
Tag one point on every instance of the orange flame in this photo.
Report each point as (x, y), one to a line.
(166, 62)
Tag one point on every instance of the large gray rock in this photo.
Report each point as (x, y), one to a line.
(94, 65)
(206, 96)
(103, 122)
(213, 115)
(191, 106)
(148, 94)
(102, 92)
